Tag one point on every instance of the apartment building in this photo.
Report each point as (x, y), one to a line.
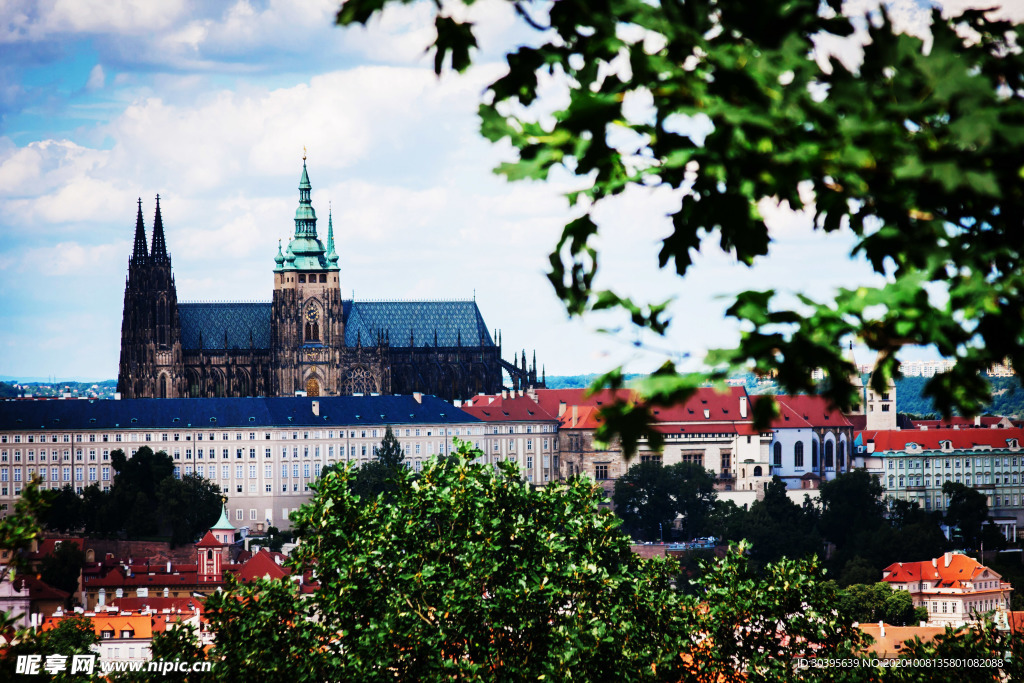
(263, 452)
(954, 588)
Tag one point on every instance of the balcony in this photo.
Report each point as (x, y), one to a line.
(726, 476)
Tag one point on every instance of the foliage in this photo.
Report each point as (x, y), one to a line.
(74, 635)
(914, 152)
(468, 573)
(967, 510)
(851, 503)
(276, 538)
(758, 625)
(145, 499)
(389, 453)
(651, 497)
(62, 568)
(776, 527)
(64, 510)
(879, 602)
(189, 505)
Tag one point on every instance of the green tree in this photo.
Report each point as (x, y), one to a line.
(188, 506)
(967, 511)
(914, 152)
(65, 511)
(389, 453)
(777, 527)
(74, 635)
(851, 504)
(650, 498)
(472, 574)
(62, 568)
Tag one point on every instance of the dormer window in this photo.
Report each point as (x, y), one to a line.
(1012, 443)
(946, 445)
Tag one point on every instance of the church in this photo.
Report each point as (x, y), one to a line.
(307, 339)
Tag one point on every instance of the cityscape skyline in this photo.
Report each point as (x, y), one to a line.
(213, 114)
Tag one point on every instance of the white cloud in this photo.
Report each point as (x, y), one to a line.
(96, 78)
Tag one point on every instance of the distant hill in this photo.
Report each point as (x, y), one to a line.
(580, 381)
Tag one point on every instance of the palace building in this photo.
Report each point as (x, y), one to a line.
(306, 339)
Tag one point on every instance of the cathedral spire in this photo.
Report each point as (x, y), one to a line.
(305, 216)
(159, 254)
(332, 255)
(140, 251)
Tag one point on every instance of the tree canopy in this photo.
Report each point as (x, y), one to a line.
(145, 499)
(915, 151)
(650, 498)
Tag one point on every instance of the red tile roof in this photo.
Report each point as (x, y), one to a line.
(815, 410)
(209, 541)
(957, 421)
(960, 568)
(520, 408)
(260, 566)
(39, 589)
(928, 439)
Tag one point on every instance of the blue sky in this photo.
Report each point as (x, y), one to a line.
(211, 104)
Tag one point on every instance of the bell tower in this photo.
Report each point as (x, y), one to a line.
(307, 327)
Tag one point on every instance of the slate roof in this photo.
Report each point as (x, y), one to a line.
(420, 318)
(212, 320)
(213, 413)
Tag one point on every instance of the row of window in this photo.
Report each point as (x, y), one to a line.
(979, 479)
(281, 435)
(954, 463)
(830, 458)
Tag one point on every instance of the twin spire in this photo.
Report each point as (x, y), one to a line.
(140, 252)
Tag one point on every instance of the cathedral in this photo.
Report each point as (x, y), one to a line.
(308, 339)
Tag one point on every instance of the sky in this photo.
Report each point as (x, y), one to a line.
(211, 104)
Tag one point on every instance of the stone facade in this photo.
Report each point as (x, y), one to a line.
(308, 339)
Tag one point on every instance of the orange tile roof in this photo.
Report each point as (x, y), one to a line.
(891, 644)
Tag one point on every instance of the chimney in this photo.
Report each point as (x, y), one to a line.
(575, 415)
(504, 393)
(947, 557)
(316, 408)
(743, 407)
(417, 396)
(707, 413)
(561, 408)
(457, 403)
(935, 562)
(168, 566)
(881, 628)
(977, 420)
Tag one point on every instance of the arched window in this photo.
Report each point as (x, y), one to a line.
(814, 454)
(842, 454)
(163, 386)
(828, 455)
(757, 472)
(777, 454)
(798, 454)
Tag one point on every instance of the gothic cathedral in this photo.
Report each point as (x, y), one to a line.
(307, 339)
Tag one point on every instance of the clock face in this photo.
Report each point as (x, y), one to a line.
(312, 314)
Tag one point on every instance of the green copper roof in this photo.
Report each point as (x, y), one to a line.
(222, 524)
(332, 255)
(305, 250)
